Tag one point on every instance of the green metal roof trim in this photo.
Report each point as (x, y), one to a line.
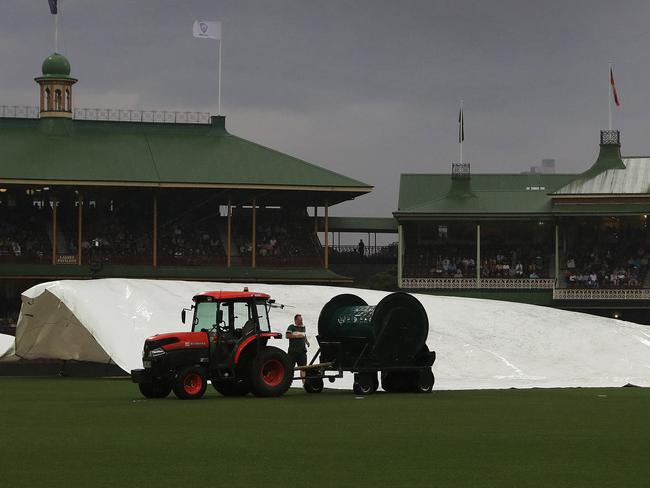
(149, 153)
(635, 208)
(511, 194)
(633, 178)
(360, 224)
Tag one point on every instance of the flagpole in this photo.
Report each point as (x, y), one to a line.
(609, 95)
(461, 130)
(56, 33)
(219, 82)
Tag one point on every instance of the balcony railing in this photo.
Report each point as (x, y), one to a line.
(112, 114)
(473, 283)
(601, 294)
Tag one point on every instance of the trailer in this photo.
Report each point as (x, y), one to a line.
(387, 340)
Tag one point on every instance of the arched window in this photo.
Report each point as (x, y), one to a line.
(48, 99)
(68, 104)
(58, 102)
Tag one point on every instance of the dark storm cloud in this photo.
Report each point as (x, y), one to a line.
(366, 88)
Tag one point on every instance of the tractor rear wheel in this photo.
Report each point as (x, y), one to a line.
(154, 390)
(190, 383)
(365, 383)
(271, 373)
(231, 388)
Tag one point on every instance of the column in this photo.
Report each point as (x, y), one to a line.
(154, 244)
(54, 204)
(478, 254)
(327, 257)
(80, 202)
(400, 254)
(229, 236)
(557, 253)
(254, 237)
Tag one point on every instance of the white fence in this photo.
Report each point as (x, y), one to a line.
(110, 114)
(601, 294)
(473, 283)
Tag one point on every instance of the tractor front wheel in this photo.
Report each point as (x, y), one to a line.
(271, 373)
(190, 383)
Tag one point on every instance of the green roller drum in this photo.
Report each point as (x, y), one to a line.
(391, 335)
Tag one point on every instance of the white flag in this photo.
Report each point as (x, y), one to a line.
(207, 30)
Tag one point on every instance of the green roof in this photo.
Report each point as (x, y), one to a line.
(481, 195)
(151, 154)
(631, 178)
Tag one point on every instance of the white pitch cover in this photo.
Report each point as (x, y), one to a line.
(479, 343)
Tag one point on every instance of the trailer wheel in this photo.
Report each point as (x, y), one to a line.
(424, 382)
(154, 390)
(313, 385)
(271, 373)
(365, 383)
(190, 383)
(231, 388)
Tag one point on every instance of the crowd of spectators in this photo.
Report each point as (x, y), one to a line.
(607, 269)
(455, 263)
(191, 243)
(24, 236)
(618, 258)
(281, 236)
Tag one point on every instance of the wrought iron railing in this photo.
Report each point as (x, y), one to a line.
(109, 114)
(601, 294)
(473, 283)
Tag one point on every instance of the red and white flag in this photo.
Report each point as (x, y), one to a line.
(614, 92)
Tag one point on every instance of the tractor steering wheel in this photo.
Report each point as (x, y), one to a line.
(223, 328)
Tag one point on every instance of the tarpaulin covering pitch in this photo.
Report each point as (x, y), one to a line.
(479, 343)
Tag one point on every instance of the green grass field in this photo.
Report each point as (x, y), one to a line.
(101, 432)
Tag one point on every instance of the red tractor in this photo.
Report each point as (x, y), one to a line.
(227, 345)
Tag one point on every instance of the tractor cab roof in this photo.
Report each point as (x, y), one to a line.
(207, 296)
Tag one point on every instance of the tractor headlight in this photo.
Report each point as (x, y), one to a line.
(159, 351)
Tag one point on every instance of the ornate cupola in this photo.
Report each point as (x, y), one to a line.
(461, 181)
(56, 87)
(609, 156)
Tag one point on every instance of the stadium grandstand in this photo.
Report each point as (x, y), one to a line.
(575, 241)
(92, 193)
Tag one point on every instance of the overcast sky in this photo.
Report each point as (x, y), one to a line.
(366, 88)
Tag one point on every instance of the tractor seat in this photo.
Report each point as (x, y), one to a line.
(248, 328)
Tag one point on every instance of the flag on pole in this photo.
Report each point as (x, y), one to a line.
(461, 126)
(207, 29)
(53, 7)
(614, 92)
